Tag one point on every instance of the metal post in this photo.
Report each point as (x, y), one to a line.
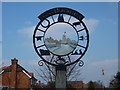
(60, 81)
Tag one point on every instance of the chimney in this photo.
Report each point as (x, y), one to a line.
(39, 82)
(13, 74)
(14, 61)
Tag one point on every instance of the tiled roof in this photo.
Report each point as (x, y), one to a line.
(30, 73)
(6, 67)
(19, 68)
(50, 84)
(76, 84)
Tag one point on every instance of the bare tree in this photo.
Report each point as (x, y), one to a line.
(47, 72)
(74, 73)
(99, 84)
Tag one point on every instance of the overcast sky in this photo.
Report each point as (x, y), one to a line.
(19, 20)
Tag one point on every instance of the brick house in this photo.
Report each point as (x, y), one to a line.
(16, 76)
(79, 85)
(76, 85)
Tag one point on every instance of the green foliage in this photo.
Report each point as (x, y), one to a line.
(115, 82)
(91, 86)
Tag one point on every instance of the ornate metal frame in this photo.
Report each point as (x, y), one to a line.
(42, 29)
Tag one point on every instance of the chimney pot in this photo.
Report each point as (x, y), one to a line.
(14, 61)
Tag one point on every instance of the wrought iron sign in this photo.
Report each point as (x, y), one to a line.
(61, 34)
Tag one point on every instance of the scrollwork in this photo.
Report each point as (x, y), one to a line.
(81, 63)
(40, 63)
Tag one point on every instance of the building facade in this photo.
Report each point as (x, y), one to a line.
(15, 76)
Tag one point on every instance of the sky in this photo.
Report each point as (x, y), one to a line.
(19, 20)
(60, 0)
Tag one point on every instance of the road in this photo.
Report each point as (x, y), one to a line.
(62, 49)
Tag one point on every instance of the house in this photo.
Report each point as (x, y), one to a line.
(15, 76)
(79, 85)
(73, 85)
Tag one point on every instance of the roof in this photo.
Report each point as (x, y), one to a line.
(76, 84)
(19, 69)
(6, 67)
(31, 74)
(50, 84)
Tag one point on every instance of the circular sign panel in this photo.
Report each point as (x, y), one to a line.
(61, 34)
(61, 39)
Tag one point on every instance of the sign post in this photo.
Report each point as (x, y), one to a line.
(60, 81)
